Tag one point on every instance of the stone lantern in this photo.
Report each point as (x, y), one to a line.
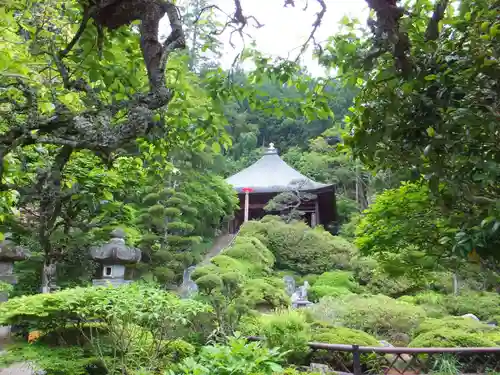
(113, 256)
(9, 253)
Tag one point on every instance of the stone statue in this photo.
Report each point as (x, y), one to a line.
(303, 291)
(289, 285)
(188, 287)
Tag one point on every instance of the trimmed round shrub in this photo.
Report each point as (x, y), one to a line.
(378, 315)
(253, 251)
(450, 338)
(454, 323)
(343, 335)
(265, 292)
(209, 283)
(341, 279)
(433, 303)
(319, 291)
(299, 248)
(332, 284)
(227, 263)
(394, 286)
(289, 331)
(257, 229)
(363, 269)
(428, 297)
(209, 269)
(485, 305)
(346, 336)
(232, 280)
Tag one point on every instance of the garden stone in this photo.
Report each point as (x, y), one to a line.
(22, 368)
(471, 316)
(386, 344)
(320, 368)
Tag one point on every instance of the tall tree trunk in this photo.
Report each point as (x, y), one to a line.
(49, 276)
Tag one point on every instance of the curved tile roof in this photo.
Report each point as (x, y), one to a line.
(270, 174)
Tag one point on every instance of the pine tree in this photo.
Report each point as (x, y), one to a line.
(166, 219)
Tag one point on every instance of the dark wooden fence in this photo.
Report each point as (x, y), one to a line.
(361, 360)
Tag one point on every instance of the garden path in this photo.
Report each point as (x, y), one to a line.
(220, 244)
(21, 368)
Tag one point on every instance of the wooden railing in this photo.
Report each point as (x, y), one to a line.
(361, 360)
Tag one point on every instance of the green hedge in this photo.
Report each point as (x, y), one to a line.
(379, 315)
(451, 338)
(344, 335)
(454, 323)
(299, 248)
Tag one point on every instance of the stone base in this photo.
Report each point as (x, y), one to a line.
(300, 303)
(108, 282)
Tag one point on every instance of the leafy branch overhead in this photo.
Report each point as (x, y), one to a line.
(85, 92)
(101, 126)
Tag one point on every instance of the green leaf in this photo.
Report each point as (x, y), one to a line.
(107, 195)
(108, 55)
(46, 107)
(216, 147)
(94, 75)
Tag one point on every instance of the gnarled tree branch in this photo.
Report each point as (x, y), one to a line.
(432, 31)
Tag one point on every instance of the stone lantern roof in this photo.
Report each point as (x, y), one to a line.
(10, 252)
(116, 251)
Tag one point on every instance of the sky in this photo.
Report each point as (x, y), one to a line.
(285, 29)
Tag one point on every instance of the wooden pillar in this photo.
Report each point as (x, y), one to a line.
(314, 220)
(247, 202)
(247, 192)
(316, 213)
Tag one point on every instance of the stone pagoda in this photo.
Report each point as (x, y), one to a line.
(269, 176)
